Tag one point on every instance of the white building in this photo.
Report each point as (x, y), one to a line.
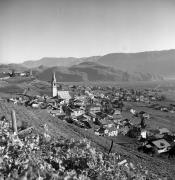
(54, 86)
(63, 94)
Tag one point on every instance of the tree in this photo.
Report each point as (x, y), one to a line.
(12, 74)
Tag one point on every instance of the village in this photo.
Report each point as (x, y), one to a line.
(4, 75)
(108, 112)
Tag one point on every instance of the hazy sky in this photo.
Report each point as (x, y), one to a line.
(32, 29)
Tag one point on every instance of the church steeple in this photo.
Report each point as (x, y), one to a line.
(53, 77)
(54, 86)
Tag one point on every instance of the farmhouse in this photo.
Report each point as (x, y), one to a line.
(77, 112)
(161, 145)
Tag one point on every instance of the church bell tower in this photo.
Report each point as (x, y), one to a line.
(54, 86)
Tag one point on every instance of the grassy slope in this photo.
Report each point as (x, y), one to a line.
(18, 85)
(158, 118)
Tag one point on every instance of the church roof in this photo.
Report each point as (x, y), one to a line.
(64, 95)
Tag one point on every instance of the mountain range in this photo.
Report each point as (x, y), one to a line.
(91, 71)
(142, 66)
(53, 61)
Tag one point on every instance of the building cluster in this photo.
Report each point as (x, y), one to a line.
(101, 109)
(6, 75)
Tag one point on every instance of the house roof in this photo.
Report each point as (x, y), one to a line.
(161, 143)
(64, 95)
(117, 112)
(82, 118)
(164, 130)
(105, 121)
(56, 112)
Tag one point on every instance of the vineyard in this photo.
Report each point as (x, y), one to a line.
(64, 151)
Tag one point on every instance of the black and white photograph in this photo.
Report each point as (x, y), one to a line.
(87, 89)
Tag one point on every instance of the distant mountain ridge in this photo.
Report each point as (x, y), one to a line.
(93, 72)
(151, 65)
(53, 61)
(157, 62)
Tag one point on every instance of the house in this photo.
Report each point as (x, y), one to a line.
(112, 131)
(153, 98)
(79, 102)
(164, 131)
(165, 109)
(57, 113)
(143, 134)
(117, 115)
(106, 123)
(128, 98)
(161, 145)
(137, 98)
(95, 109)
(100, 131)
(84, 120)
(89, 94)
(64, 95)
(77, 112)
(23, 74)
(142, 98)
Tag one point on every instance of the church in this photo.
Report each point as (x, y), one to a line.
(59, 93)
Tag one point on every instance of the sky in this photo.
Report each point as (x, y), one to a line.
(32, 29)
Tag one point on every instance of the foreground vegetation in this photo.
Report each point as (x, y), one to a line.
(39, 156)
